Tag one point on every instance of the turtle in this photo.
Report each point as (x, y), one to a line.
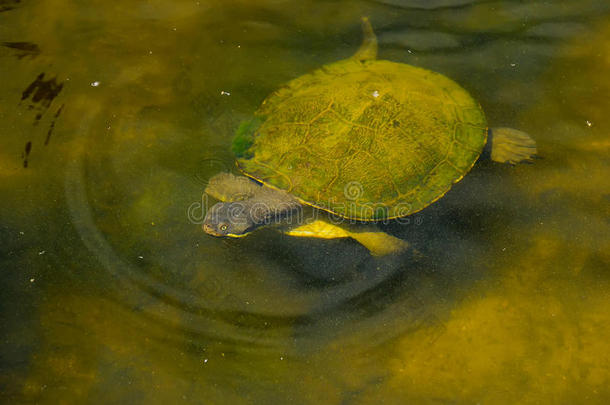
(362, 139)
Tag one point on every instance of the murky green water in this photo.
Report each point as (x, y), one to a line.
(114, 115)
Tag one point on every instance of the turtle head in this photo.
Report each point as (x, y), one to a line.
(228, 219)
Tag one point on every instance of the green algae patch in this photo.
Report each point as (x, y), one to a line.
(244, 137)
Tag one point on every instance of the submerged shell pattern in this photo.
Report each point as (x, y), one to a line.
(367, 139)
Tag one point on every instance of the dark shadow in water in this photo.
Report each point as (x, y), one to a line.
(23, 49)
(6, 5)
(41, 93)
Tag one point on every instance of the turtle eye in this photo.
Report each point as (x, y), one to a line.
(223, 227)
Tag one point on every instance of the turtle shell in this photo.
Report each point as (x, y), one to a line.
(365, 140)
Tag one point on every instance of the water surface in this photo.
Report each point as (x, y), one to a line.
(113, 117)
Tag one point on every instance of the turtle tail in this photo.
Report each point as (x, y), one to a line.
(368, 49)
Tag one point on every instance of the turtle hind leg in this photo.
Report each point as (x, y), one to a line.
(368, 49)
(511, 146)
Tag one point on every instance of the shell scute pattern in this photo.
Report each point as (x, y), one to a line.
(403, 134)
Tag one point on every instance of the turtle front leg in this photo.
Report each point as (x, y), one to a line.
(511, 145)
(378, 243)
